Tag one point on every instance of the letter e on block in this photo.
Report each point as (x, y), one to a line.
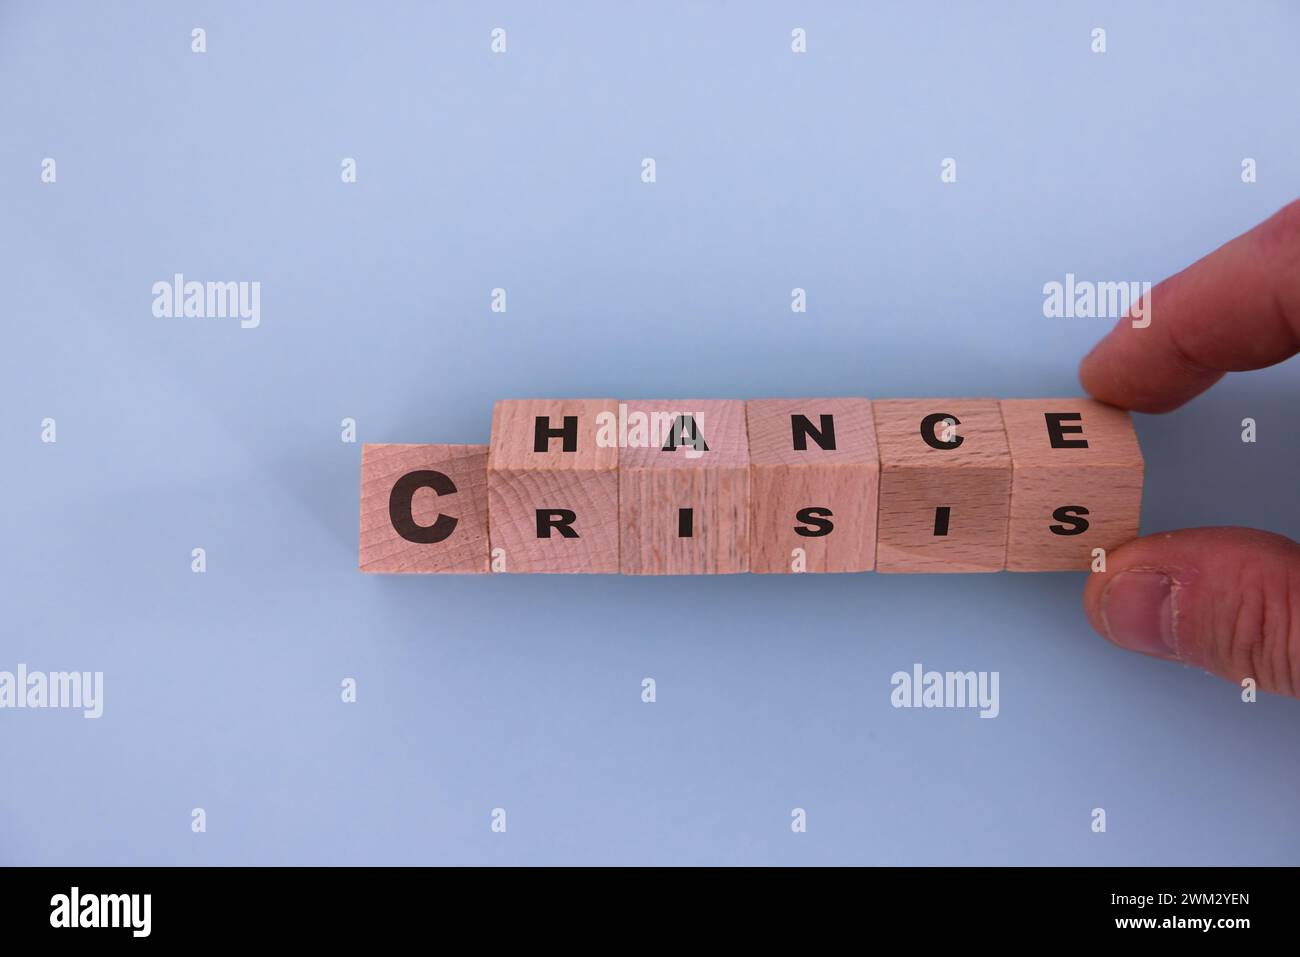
(1076, 482)
(552, 490)
(424, 509)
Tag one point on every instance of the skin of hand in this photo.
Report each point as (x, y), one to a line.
(1223, 599)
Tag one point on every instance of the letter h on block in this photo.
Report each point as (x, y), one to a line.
(552, 490)
(684, 488)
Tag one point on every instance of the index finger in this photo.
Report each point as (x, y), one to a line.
(1236, 309)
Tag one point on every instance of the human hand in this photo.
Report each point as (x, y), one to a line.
(1223, 599)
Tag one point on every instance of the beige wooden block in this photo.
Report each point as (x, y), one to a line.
(945, 485)
(684, 487)
(814, 474)
(552, 488)
(424, 508)
(1076, 482)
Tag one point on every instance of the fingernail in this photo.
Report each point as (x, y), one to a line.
(1138, 611)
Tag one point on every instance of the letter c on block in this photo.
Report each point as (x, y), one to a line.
(402, 497)
(928, 435)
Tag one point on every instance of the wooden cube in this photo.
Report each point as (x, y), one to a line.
(552, 488)
(1076, 482)
(684, 488)
(424, 508)
(814, 474)
(945, 485)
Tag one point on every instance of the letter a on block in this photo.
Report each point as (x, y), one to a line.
(945, 485)
(1076, 482)
(424, 508)
(684, 488)
(814, 474)
(552, 490)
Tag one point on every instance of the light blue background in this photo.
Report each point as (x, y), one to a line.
(476, 170)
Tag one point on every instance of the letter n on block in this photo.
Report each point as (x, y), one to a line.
(1076, 482)
(814, 480)
(945, 485)
(684, 488)
(552, 489)
(424, 508)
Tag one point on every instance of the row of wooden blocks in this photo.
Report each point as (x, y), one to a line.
(713, 486)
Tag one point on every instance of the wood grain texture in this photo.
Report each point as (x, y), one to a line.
(1105, 478)
(842, 483)
(654, 485)
(972, 480)
(522, 481)
(465, 549)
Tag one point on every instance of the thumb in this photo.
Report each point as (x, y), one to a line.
(1223, 599)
